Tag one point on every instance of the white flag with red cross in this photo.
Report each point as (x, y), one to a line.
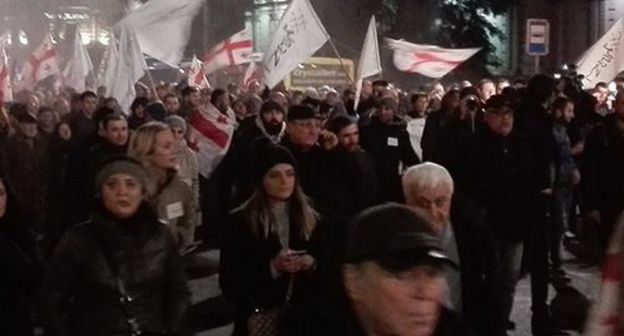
(197, 78)
(5, 76)
(210, 136)
(41, 64)
(253, 74)
(233, 51)
(428, 60)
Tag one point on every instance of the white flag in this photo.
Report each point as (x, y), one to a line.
(5, 75)
(78, 67)
(605, 59)
(428, 60)
(125, 67)
(210, 136)
(233, 51)
(41, 63)
(298, 36)
(197, 78)
(163, 27)
(370, 62)
(106, 69)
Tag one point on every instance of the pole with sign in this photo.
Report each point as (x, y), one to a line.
(537, 39)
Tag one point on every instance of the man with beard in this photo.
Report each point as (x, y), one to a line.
(190, 101)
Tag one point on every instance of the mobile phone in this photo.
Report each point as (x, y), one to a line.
(297, 253)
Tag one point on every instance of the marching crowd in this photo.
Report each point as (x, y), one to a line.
(402, 214)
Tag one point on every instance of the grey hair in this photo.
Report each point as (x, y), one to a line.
(425, 175)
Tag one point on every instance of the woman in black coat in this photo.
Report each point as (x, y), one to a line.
(21, 269)
(120, 272)
(270, 251)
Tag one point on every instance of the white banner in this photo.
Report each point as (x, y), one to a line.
(163, 27)
(78, 67)
(298, 36)
(126, 66)
(428, 60)
(605, 59)
(370, 62)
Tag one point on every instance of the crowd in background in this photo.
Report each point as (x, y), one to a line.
(505, 173)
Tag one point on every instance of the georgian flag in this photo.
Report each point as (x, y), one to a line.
(233, 51)
(427, 60)
(197, 78)
(210, 136)
(41, 64)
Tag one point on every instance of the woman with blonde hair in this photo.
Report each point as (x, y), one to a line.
(270, 249)
(154, 146)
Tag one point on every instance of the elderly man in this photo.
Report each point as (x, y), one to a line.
(429, 187)
(392, 281)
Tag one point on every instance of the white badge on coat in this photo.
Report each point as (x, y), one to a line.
(175, 210)
(393, 142)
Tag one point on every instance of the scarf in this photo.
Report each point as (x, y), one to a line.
(277, 138)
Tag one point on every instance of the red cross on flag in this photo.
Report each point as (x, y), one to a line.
(197, 78)
(233, 51)
(210, 136)
(41, 63)
(427, 60)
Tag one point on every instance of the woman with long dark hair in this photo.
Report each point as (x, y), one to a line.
(120, 273)
(269, 253)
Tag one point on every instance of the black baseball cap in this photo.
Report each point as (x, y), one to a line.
(499, 104)
(396, 237)
(302, 112)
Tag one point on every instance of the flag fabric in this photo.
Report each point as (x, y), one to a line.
(370, 62)
(197, 78)
(428, 60)
(604, 318)
(5, 75)
(233, 51)
(298, 36)
(124, 67)
(210, 136)
(106, 70)
(253, 73)
(78, 67)
(158, 19)
(605, 59)
(41, 64)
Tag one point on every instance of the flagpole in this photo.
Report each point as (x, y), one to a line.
(151, 80)
(344, 67)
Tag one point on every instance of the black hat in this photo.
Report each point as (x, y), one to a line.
(396, 237)
(301, 112)
(499, 104)
(269, 154)
(157, 111)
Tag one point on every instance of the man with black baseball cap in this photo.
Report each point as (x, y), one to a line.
(495, 174)
(392, 280)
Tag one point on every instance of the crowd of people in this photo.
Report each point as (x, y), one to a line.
(406, 213)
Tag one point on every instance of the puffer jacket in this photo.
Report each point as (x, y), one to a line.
(80, 292)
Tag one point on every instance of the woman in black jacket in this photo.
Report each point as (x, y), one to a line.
(21, 269)
(270, 253)
(120, 272)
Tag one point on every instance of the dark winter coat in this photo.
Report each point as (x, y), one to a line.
(495, 171)
(245, 272)
(81, 295)
(603, 167)
(389, 146)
